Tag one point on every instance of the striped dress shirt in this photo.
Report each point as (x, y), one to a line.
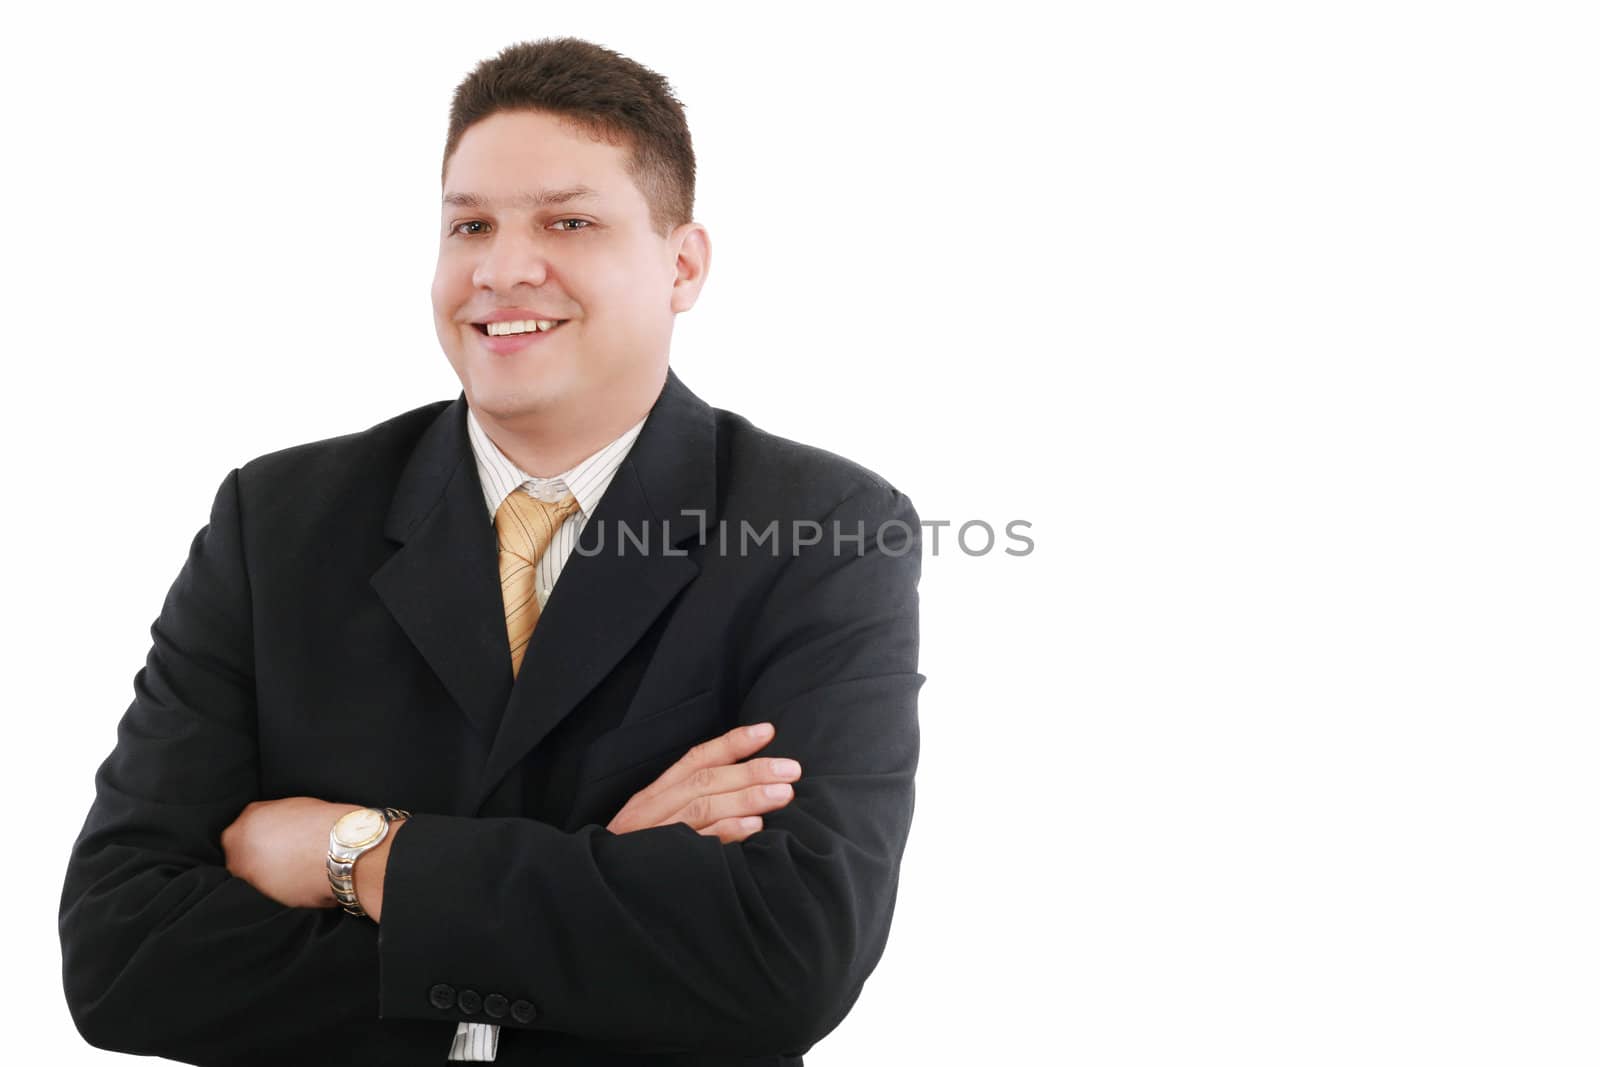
(587, 481)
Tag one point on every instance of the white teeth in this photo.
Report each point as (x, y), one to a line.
(502, 329)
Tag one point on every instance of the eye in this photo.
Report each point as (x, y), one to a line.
(562, 223)
(471, 233)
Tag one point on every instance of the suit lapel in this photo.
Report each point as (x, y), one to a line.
(443, 584)
(607, 598)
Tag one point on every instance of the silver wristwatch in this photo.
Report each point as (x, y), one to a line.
(355, 833)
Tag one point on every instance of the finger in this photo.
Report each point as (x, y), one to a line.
(730, 831)
(703, 809)
(707, 810)
(671, 800)
(730, 747)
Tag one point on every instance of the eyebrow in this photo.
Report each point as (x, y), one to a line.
(526, 200)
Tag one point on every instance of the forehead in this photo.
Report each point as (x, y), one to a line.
(529, 159)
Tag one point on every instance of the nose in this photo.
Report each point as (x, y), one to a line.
(510, 259)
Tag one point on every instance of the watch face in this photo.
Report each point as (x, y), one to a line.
(358, 827)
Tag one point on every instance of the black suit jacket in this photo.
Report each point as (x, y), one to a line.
(337, 632)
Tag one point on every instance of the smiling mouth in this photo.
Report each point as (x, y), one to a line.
(483, 329)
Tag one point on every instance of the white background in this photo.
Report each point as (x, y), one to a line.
(1276, 321)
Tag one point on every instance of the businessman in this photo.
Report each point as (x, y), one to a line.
(569, 721)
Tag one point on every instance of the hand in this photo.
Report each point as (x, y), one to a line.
(711, 791)
(281, 848)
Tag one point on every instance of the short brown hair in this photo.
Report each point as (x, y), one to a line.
(601, 91)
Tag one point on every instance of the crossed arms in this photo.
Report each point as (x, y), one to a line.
(649, 932)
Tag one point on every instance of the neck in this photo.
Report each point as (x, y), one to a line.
(547, 443)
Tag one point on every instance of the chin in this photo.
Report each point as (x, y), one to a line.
(510, 405)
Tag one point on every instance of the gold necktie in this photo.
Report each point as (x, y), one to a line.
(525, 527)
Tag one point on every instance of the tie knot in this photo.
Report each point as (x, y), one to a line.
(525, 525)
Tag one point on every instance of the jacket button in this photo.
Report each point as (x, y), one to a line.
(442, 997)
(469, 1001)
(523, 1012)
(494, 1006)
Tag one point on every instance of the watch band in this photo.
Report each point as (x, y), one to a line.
(342, 858)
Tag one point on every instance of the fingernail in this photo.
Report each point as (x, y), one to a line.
(778, 792)
(786, 768)
(751, 823)
(760, 731)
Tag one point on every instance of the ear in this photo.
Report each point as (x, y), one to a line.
(691, 246)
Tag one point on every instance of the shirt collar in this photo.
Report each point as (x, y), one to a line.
(586, 480)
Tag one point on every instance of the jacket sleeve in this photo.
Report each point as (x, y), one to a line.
(667, 939)
(163, 951)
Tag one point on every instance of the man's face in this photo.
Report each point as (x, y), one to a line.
(541, 221)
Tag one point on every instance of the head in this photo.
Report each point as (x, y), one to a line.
(568, 192)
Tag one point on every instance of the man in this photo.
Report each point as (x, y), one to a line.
(490, 675)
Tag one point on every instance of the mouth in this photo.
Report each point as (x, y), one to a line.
(505, 338)
(513, 329)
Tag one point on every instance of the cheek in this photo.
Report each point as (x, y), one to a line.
(629, 296)
(452, 284)
(448, 299)
(440, 292)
